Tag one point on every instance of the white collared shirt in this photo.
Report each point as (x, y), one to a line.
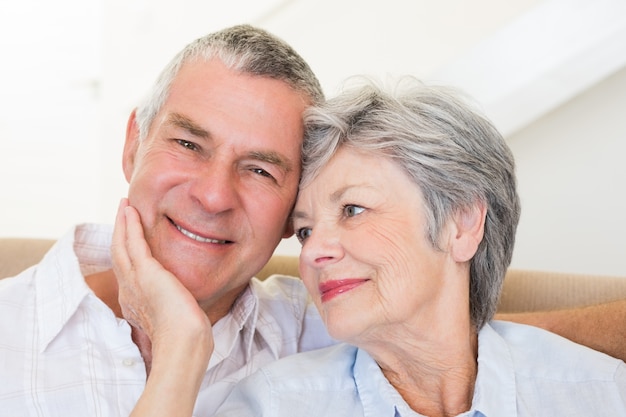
(64, 353)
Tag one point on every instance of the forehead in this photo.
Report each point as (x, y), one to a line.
(355, 168)
(226, 102)
(354, 163)
(359, 177)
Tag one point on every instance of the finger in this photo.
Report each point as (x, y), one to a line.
(119, 255)
(136, 245)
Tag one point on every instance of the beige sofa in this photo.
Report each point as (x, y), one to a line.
(523, 290)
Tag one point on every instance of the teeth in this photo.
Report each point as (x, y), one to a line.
(198, 238)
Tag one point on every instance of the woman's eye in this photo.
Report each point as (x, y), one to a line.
(351, 210)
(189, 145)
(303, 233)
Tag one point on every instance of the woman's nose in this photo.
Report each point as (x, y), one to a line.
(322, 247)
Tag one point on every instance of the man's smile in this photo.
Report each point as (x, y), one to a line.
(199, 238)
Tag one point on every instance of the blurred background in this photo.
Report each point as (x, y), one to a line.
(551, 74)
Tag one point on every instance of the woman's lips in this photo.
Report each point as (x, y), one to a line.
(331, 289)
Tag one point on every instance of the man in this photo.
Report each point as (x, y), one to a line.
(213, 161)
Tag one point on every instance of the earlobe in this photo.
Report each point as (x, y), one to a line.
(130, 145)
(288, 229)
(469, 231)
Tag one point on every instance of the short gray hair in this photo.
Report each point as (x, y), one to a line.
(448, 148)
(244, 48)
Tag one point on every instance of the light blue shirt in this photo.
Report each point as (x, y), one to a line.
(522, 371)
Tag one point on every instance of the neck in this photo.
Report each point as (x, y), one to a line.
(104, 286)
(435, 377)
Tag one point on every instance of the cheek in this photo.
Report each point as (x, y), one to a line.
(394, 252)
(154, 184)
(145, 187)
(311, 282)
(383, 243)
(309, 279)
(156, 170)
(269, 207)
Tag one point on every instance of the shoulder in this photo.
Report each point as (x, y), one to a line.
(48, 289)
(278, 293)
(285, 312)
(279, 286)
(315, 383)
(322, 367)
(537, 353)
(322, 370)
(555, 376)
(15, 292)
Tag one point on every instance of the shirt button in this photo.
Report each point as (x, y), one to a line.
(128, 362)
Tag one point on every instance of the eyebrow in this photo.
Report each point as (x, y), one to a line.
(189, 125)
(273, 158)
(334, 198)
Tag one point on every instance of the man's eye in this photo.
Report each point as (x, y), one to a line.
(350, 210)
(189, 145)
(303, 233)
(262, 172)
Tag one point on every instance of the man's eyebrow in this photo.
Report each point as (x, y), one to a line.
(186, 123)
(273, 158)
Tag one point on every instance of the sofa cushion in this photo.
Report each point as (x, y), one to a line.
(17, 254)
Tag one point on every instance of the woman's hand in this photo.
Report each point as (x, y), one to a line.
(171, 330)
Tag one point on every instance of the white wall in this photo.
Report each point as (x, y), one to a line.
(572, 181)
(49, 115)
(57, 174)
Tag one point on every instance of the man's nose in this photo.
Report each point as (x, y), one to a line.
(216, 188)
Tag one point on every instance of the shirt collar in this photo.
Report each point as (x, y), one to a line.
(377, 395)
(245, 319)
(494, 391)
(59, 282)
(240, 322)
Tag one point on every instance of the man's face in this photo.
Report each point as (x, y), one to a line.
(216, 177)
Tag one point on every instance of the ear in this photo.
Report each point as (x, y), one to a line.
(288, 229)
(130, 145)
(468, 231)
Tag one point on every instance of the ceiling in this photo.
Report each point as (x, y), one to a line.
(519, 59)
(542, 59)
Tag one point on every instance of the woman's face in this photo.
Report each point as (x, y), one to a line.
(365, 257)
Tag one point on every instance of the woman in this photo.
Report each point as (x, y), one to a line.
(407, 214)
